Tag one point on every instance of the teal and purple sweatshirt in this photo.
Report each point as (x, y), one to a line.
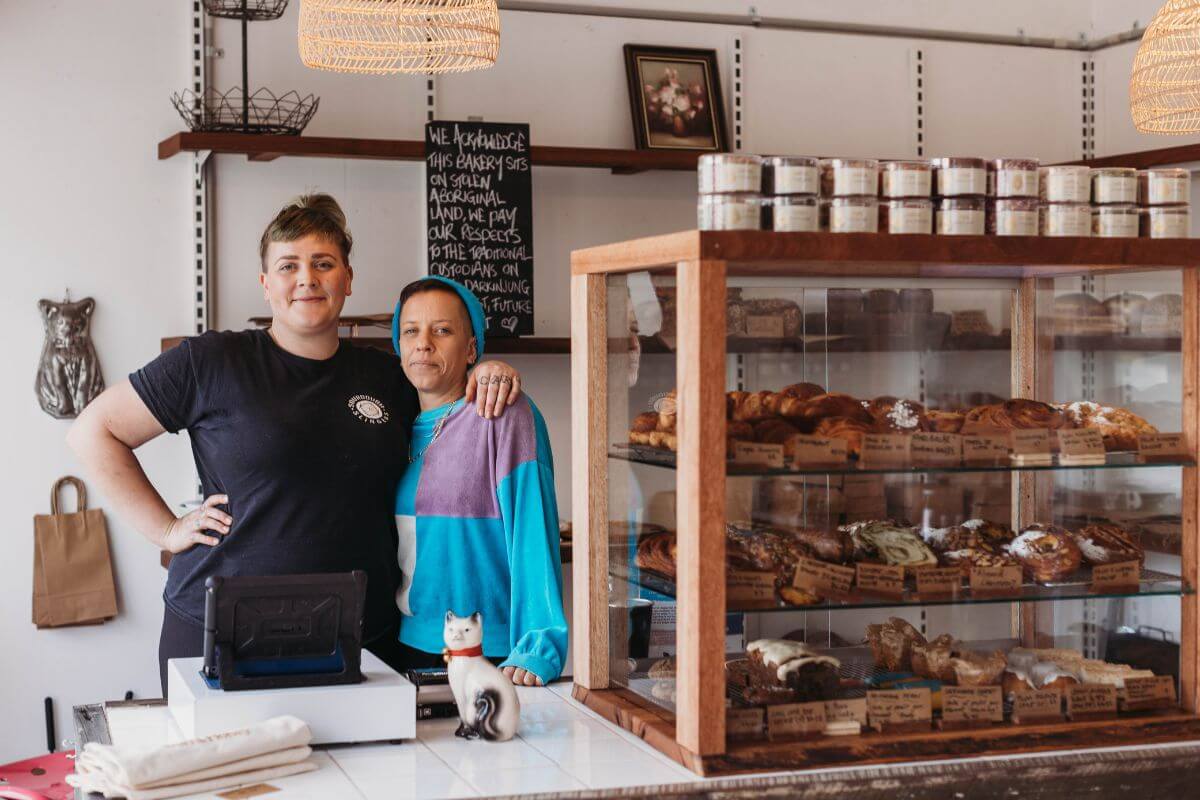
(478, 525)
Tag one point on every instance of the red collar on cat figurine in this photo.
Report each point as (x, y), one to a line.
(448, 654)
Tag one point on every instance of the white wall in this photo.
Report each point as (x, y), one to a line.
(87, 87)
(84, 205)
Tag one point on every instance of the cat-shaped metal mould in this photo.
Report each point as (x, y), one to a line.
(68, 375)
(486, 699)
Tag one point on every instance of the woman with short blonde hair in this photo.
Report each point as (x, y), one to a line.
(298, 438)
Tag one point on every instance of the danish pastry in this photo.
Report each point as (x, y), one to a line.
(851, 431)
(1107, 544)
(1047, 553)
(832, 404)
(944, 421)
(1119, 427)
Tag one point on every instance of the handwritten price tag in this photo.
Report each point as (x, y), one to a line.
(807, 450)
(824, 579)
(882, 579)
(936, 449)
(743, 723)
(996, 580)
(1143, 693)
(1161, 446)
(1040, 706)
(972, 704)
(985, 447)
(1085, 444)
(846, 710)
(939, 580)
(749, 589)
(756, 454)
(899, 707)
(1091, 700)
(795, 719)
(885, 449)
(1031, 445)
(1110, 577)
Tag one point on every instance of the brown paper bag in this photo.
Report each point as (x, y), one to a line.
(72, 571)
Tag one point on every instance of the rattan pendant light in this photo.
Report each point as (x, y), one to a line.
(1164, 89)
(387, 36)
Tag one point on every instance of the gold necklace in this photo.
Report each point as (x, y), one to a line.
(437, 431)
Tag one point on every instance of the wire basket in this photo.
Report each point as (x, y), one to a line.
(265, 113)
(253, 10)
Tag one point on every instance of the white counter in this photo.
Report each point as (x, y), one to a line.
(562, 746)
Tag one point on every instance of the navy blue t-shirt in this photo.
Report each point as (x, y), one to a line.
(308, 451)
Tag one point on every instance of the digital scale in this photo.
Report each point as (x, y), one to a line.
(290, 644)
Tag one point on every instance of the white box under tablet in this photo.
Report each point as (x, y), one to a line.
(382, 707)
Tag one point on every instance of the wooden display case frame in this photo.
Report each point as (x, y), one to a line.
(701, 261)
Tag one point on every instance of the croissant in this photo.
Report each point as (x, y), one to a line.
(943, 421)
(644, 423)
(732, 401)
(833, 404)
(802, 391)
(657, 552)
(774, 431)
(1018, 414)
(753, 408)
(851, 431)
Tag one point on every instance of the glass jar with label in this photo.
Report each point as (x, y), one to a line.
(1114, 185)
(1066, 219)
(858, 214)
(957, 177)
(905, 179)
(906, 215)
(1166, 222)
(796, 213)
(1013, 177)
(729, 212)
(1013, 216)
(724, 173)
(1066, 184)
(1160, 187)
(961, 216)
(1115, 221)
(790, 175)
(843, 177)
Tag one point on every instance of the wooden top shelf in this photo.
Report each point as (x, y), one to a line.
(268, 148)
(766, 253)
(1145, 159)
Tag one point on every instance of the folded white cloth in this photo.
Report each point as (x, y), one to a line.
(228, 758)
(96, 783)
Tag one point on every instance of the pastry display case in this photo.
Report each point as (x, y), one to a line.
(856, 498)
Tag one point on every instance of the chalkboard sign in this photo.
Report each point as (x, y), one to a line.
(480, 216)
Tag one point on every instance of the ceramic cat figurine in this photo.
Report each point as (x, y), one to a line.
(486, 699)
(68, 375)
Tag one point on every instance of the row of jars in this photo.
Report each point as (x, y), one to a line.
(723, 173)
(962, 215)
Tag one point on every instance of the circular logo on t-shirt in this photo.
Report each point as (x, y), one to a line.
(368, 409)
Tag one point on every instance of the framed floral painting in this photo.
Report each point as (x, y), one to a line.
(675, 97)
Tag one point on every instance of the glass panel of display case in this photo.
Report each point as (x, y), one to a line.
(641, 499)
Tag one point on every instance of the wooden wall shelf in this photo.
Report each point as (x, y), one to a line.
(269, 148)
(1144, 159)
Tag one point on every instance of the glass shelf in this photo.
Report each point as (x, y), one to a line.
(641, 454)
(1152, 584)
